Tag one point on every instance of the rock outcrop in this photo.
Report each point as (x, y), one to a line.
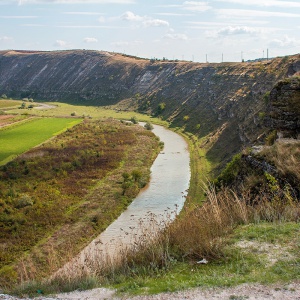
(284, 108)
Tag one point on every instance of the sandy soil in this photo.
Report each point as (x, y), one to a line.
(241, 292)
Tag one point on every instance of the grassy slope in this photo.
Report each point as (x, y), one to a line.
(19, 138)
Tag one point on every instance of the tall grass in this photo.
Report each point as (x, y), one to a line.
(197, 233)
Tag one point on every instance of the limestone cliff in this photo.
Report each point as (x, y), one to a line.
(284, 108)
(224, 99)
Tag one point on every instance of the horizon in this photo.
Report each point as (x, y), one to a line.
(201, 31)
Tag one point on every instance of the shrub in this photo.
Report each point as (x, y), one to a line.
(23, 201)
(148, 126)
(186, 118)
(134, 120)
(271, 138)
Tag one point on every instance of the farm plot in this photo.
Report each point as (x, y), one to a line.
(19, 138)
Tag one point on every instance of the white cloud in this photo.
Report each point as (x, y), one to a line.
(243, 13)
(174, 14)
(18, 17)
(176, 36)
(90, 40)
(265, 3)
(33, 25)
(5, 38)
(88, 26)
(22, 2)
(60, 43)
(131, 17)
(234, 30)
(83, 13)
(286, 42)
(145, 20)
(155, 23)
(196, 6)
(101, 19)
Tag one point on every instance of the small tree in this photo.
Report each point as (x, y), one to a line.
(3, 96)
(161, 107)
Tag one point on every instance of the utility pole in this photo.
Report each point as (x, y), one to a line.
(267, 54)
(242, 56)
(206, 57)
(222, 57)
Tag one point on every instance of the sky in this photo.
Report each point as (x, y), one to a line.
(212, 30)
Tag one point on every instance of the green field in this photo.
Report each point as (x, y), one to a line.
(65, 110)
(22, 137)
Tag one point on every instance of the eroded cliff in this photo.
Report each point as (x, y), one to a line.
(224, 99)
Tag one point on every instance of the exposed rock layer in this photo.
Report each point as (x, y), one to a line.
(205, 98)
(285, 108)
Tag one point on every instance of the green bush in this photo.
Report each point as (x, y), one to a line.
(148, 126)
(134, 120)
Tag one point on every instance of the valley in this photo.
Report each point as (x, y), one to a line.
(241, 201)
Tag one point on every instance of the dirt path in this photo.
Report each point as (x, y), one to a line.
(241, 292)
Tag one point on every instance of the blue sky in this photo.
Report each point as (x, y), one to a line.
(189, 30)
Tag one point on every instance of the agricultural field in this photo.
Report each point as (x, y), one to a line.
(4, 104)
(22, 136)
(67, 110)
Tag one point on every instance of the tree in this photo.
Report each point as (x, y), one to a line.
(161, 107)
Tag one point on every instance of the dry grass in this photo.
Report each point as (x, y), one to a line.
(198, 233)
(286, 157)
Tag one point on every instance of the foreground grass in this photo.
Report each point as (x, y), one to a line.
(269, 253)
(21, 137)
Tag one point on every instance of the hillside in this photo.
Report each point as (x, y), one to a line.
(224, 100)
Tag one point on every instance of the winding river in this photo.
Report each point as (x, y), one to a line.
(155, 205)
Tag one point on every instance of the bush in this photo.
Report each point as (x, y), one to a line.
(148, 126)
(134, 120)
(271, 138)
(24, 201)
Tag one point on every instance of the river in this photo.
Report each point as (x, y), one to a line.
(160, 200)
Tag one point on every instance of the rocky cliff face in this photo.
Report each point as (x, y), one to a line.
(284, 108)
(223, 99)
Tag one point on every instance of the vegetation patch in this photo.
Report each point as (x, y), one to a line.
(55, 198)
(23, 136)
(5, 104)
